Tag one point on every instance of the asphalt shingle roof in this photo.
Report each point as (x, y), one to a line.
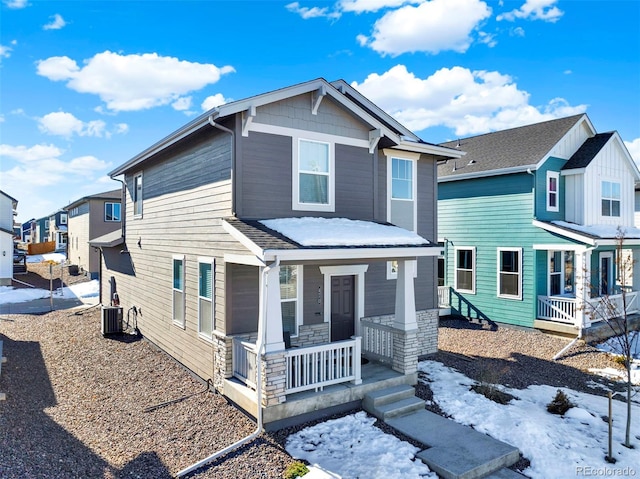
(521, 146)
(587, 151)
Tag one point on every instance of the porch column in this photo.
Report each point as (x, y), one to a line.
(270, 316)
(583, 288)
(405, 319)
(636, 270)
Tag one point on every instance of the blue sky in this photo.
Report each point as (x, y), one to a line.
(86, 85)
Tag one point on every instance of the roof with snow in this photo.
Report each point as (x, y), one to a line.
(593, 234)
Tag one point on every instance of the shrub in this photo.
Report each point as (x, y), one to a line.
(295, 469)
(560, 404)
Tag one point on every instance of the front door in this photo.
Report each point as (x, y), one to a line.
(606, 273)
(342, 308)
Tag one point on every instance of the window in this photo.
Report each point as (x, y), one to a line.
(313, 176)
(137, 195)
(289, 286)
(610, 198)
(46, 224)
(63, 219)
(178, 290)
(206, 304)
(112, 211)
(561, 275)
(553, 185)
(401, 179)
(465, 270)
(401, 184)
(74, 211)
(510, 273)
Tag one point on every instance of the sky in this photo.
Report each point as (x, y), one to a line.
(87, 85)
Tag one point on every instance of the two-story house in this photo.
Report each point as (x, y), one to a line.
(529, 224)
(8, 206)
(58, 229)
(273, 241)
(90, 217)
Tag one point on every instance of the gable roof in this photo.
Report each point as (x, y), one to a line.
(107, 195)
(363, 108)
(587, 151)
(515, 149)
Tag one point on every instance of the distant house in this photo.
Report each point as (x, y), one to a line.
(58, 229)
(26, 230)
(289, 233)
(8, 206)
(528, 221)
(90, 217)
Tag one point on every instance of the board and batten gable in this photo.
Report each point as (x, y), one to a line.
(487, 214)
(186, 193)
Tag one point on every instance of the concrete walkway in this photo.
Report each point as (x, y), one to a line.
(455, 451)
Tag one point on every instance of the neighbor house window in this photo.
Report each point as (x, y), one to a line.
(63, 219)
(112, 211)
(561, 273)
(510, 273)
(610, 198)
(289, 292)
(137, 195)
(313, 176)
(178, 290)
(553, 186)
(206, 303)
(465, 270)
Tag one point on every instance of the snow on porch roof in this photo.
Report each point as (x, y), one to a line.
(310, 232)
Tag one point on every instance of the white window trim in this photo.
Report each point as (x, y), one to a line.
(299, 301)
(610, 273)
(105, 211)
(357, 270)
(610, 198)
(520, 282)
(556, 175)
(295, 193)
(179, 323)
(212, 262)
(134, 192)
(455, 269)
(63, 218)
(391, 154)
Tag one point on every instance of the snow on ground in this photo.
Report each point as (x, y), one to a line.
(352, 447)
(612, 346)
(39, 258)
(88, 289)
(342, 232)
(558, 447)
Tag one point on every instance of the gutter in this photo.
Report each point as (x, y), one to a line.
(213, 123)
(261, 345)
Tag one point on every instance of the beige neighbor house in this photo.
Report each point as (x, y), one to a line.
(282, 246)
(90, 217)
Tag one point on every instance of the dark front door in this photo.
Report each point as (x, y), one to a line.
(342, 314)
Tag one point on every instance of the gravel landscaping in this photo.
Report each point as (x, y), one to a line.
(76, 401)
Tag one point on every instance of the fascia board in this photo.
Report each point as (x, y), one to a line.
(351, 253)
(242, 239)
(489, 173)
(567, 234)
(429, 149)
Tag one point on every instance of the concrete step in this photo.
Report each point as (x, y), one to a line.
(398, 408)
(380, 397)
(456, 451)
(506, 474)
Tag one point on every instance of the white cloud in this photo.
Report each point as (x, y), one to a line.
(86, 165)
(65, 124)
(534, 10)
(470, 102)
(132, 82)
(432, 27)
(488, 39)
(567, 72)
(313, 12)
(517, 32)
(121, 128)
(56, 23)
(360, 6)
(634, 149)
(5, 52)
(182, 103)
(16, 4)
(214, 101)
(33, 154)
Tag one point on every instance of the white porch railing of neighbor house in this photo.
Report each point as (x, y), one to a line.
(564, 309)
(377, 341)
(244, 362)
(444, 297)
(317, 366)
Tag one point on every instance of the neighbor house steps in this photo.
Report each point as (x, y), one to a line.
(455, 451)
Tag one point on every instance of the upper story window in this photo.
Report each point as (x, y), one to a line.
(510, 273)
(178, 290)
(313, 176)
(112, 211)
(610, 198)
(63, 218)
(465, 275)
(137, 195)
(74, 211)
(553, 187)
(46, 224)
(401, 186)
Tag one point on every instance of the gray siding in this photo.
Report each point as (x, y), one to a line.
(313, 311)
(243, 286)
(354, 183)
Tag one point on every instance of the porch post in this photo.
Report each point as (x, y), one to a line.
(270, 316)
(405, 319)
(583, 289)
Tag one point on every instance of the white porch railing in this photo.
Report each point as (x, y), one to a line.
(377, 340)
(563, 309)
(244, 362)
(318, 366)
(444, 297)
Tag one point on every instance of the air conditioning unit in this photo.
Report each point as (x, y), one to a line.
(111, 320)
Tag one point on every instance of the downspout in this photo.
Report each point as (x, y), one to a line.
(233, 160)
(261, 344)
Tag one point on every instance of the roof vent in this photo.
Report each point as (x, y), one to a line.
(471, 162)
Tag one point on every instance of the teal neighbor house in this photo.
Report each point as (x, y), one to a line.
(530, 221)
